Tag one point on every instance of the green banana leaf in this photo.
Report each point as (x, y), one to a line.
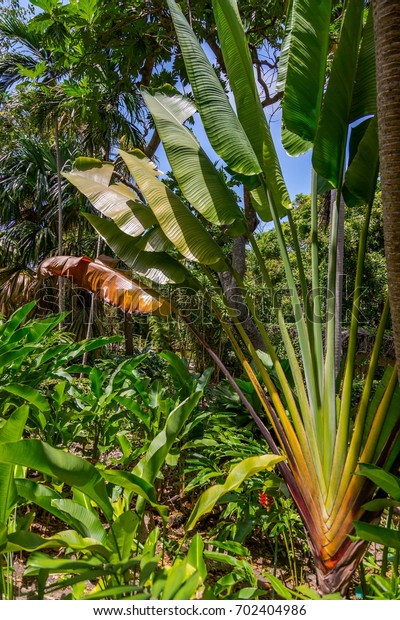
(361, 175)
(179, 370)
(138, 411)
(251, 115)
(28, 541)
(158, 267)
(28, 393)
(364, 95)
(11, 431)
(331, 138)
(134, 484)
(201, 183)
(150, 559)
(74, 471)
(221, 124)
(154, 240)
(282, 591)
(72, 539)
(181, 227)
(293, 144)
(375, 533)
(302, 66)
(43, 496)
(239, 474)
(150, 465)
(39, 560)
(383, 479)
(122, 534)
(381, 504)
(90, 525)
(195, 556)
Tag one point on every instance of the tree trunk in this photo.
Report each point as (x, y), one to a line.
(89, 328)
(61, 300)
(152, 145)
(128, 333)
(387, 46)
(232, 291)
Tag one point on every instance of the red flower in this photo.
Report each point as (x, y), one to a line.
(265, 500)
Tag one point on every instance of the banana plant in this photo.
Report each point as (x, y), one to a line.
(107, 547)
(31, 352)
(315, 423)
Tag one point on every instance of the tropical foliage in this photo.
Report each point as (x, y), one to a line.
(294, 382)
(320, 437)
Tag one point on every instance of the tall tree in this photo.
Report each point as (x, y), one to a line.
(387, 43)
(36, 57)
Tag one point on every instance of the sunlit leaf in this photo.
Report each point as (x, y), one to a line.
(116, 201)
(239, 473)
(222, 126)
(302, 66)
(74, 471)
(199, 180)
(251, 115)
(181, 227)
(180, 106)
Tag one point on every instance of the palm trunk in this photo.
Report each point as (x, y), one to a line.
(89, 329)
(387, 45)
(61, 301)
